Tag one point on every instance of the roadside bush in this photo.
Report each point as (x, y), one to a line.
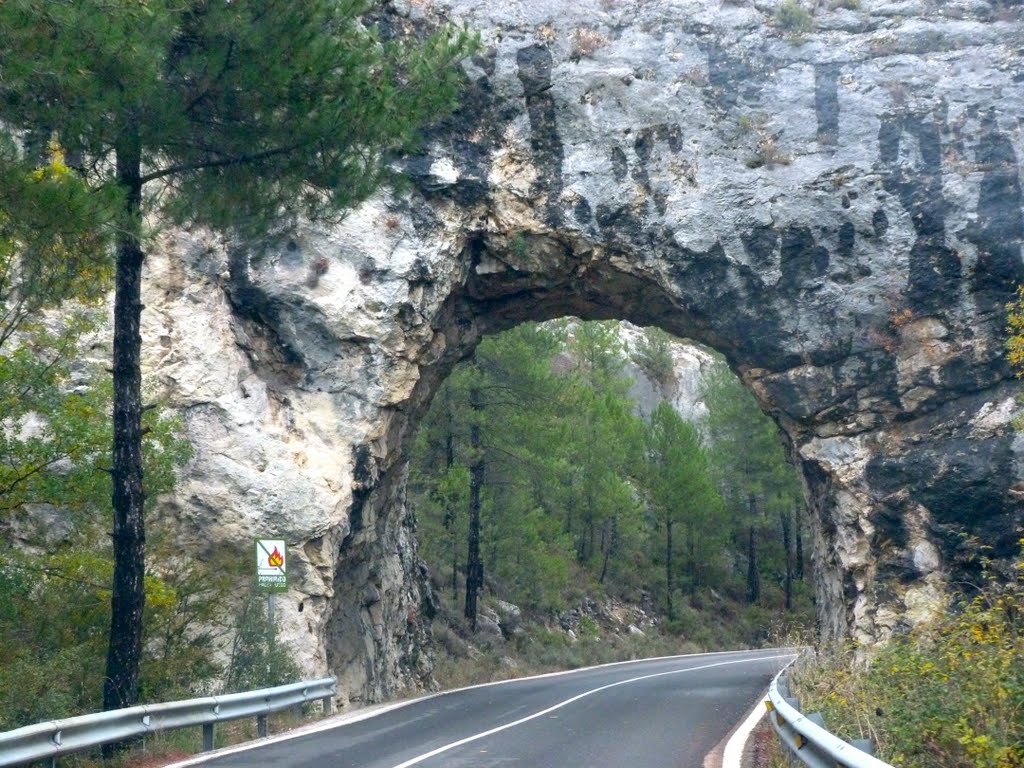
(947, 695)
(258, 658)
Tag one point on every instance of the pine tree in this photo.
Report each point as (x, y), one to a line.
(234, 115)
(681, 494)
(757, 483)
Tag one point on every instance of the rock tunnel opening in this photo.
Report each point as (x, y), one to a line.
(603, 481)
(845, 382)
(516, 281)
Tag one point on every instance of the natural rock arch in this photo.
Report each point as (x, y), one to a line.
(841, 216)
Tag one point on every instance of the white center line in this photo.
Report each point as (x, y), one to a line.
(439, 750)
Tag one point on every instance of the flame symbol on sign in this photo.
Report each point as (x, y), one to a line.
(275, 560)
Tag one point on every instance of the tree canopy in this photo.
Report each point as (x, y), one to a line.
(239, 115)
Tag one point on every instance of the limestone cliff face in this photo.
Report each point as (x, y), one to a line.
(840, 215)
(682, 387)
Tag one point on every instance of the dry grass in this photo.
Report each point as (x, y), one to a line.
(584, 42)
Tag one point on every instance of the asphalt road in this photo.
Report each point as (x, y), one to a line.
(658, 713)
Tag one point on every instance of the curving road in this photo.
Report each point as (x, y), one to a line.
(656, 713)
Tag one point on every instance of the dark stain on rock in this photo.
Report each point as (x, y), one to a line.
(535, 74)
(620, 165)
(730, 77)
(803, 261)
(847, 239)
(671, 134)
(363, 483)
(999, 231)
(880, 222)
(935, 269)
(962, 484)
(730, 301)
(826, 102)
(643, 145)
(581, 210)
(259, 314)
(761, 243)
(660, 202)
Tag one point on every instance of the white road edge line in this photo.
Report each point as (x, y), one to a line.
(439, 750)
(337, 721)
(732, 756)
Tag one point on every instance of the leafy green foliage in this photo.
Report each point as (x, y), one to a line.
(1015, 331)
(54, 614)
(793, 17)
(948, 694)
(51, 256)
(684, 500)
(52, 247)
(761, 492)
(258, 659)
(245, 110)
(654, 355)
(240, 115)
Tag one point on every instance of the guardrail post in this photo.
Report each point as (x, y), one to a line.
(51, 763)
(327, 703)
(262, 726)
(208, 733)
(864, 745)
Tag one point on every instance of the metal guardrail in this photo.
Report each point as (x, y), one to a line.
(49, 740)
(805, 735)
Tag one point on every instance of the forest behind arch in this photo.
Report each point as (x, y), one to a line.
(541, 476)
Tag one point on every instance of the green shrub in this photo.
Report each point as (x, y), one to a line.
(258, 658)
(947, 695)
(793, 17)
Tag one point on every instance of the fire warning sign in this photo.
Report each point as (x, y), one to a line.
(271, 565)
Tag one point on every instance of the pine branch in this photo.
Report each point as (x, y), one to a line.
(223, 163)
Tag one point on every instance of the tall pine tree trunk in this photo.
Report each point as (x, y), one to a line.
(753, 574)
(451, 513)
(799, 549)
(608, 537)
(121, 684)
(695, 579)
(787, 544)
(668, 569)
(474, 565)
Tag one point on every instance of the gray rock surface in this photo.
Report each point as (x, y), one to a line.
(839, 214)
